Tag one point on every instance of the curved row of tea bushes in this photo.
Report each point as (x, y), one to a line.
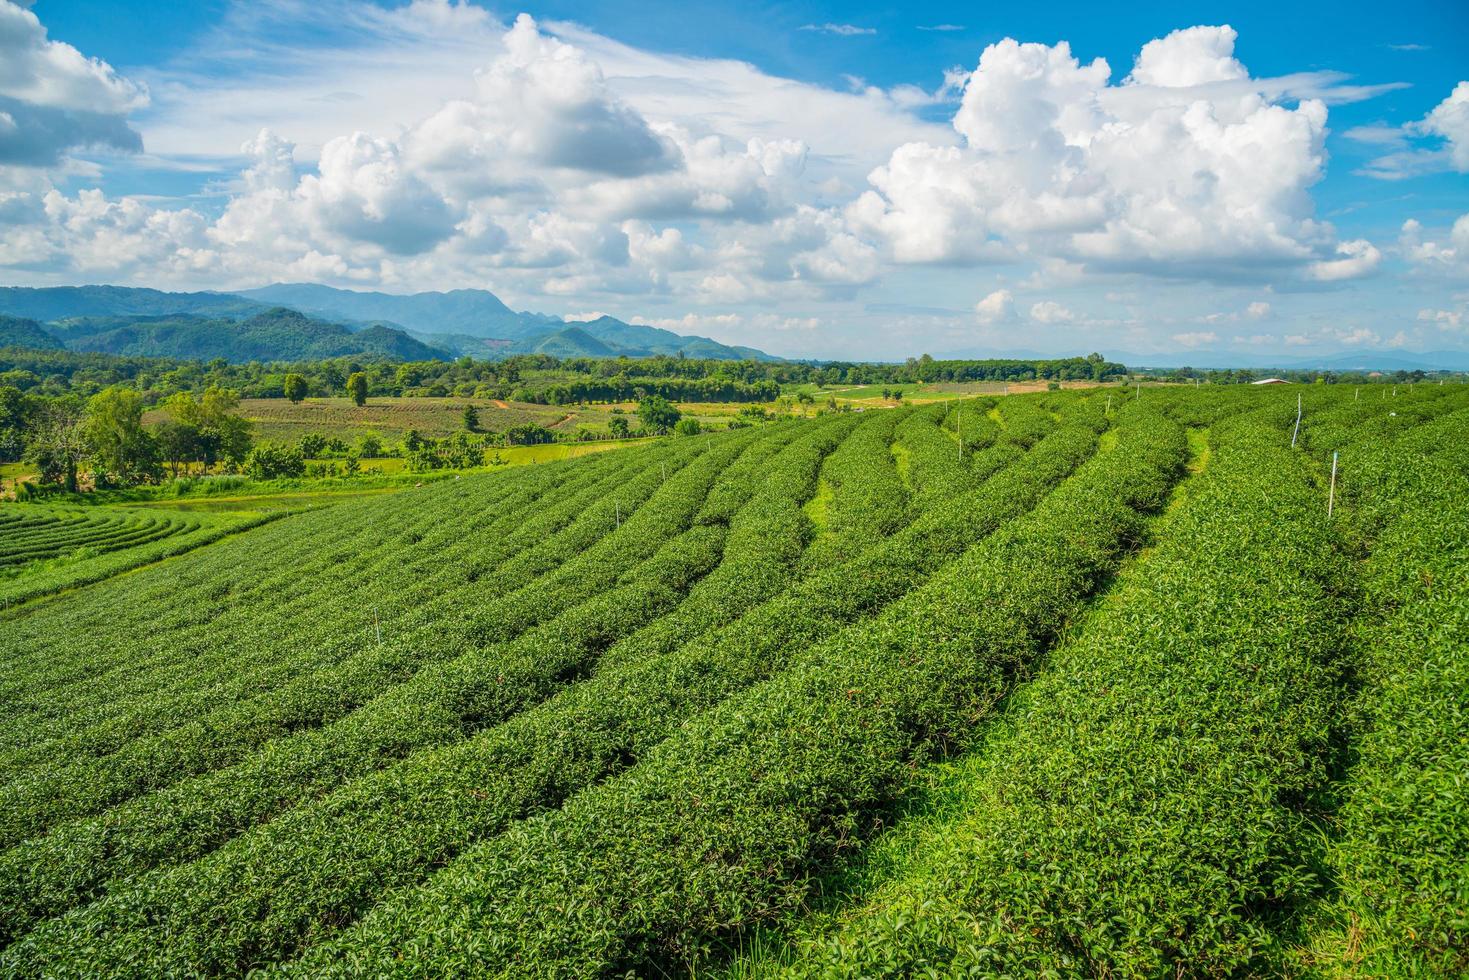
(1400, 905)
(932, 456)
(863, 498)
(722, 826)
(1024, 421)
(194, 659)
(33, 800)
(393, 827)
(1149, 804)
(51, 873)
(200, 607)
(378, 518)
(768, 536)
(110, 539)
(77, 571)
(97, 532)
(103, 715)
(971, 425)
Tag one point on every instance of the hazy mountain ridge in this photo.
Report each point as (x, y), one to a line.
(421, 326)
(24, 332)
(470, 312)
(277, 334)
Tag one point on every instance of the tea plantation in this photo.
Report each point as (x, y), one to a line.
(1082, 683)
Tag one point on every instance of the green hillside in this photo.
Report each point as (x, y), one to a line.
(21, 332)
(1075, 683)
(60, 302)
(273, 335)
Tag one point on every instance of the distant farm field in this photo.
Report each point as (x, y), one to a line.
(1051, 684)
(280, 420)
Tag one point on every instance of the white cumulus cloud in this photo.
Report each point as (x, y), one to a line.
(1355, 258)
(53, 99)
(1445, 129)
(997, 307)
(1186, 168)
(1049, 311)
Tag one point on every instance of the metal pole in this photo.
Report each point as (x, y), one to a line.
(1331, 497)
(1298, 421)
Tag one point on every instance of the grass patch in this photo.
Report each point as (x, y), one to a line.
(903, 460)
(817, 509)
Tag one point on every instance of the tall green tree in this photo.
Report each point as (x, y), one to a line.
(357, 388)
(471, 418)
(658, 414)
(269, 460)
(122, 451)
(57, 441)
(16, 411)
(223, 435)
(295, 387)
(178, 444)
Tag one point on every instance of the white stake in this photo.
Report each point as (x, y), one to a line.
(617, 509)
(959, 430)
(377, 626)
(1298, 421)
(1356, 394)
(1331, 496)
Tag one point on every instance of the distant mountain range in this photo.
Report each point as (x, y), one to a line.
(300, 322)
(275, 334)
(466, 312)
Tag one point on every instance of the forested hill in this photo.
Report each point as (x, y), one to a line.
(22, 332)
(277, 334)
(61, 302)
(471, 312)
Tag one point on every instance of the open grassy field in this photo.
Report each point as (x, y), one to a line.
(1049, 684)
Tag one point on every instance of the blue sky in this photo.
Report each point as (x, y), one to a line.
(815, 179)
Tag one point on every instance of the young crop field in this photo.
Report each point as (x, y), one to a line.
(1069, 683)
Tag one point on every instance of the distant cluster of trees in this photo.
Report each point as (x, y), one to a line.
(104, 435)
(537, 378)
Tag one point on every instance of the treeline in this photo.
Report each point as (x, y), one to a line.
(104, 436)
(537, 378)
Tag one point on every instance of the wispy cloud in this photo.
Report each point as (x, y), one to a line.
(841, 30)
(941, 27)
(1408, 47)
(1447, 124)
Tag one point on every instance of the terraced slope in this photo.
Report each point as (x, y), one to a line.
(45, 549)
(684, 707)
